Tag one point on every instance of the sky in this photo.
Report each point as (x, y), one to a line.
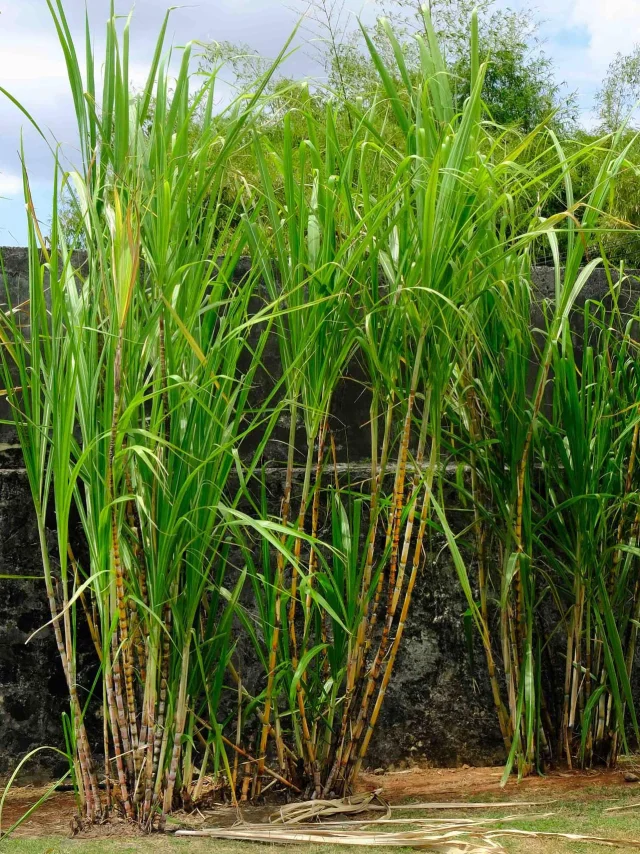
(581, 36)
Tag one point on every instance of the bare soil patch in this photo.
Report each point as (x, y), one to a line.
(55, 817)
(459, 783)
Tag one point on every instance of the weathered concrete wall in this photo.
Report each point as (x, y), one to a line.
(438, 707)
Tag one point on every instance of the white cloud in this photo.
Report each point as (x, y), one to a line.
(602, 28)
(614, 25)
(10, 185)
(29, 60)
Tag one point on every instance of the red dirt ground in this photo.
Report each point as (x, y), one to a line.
(57, 815)
(53, 818)
(439, 784)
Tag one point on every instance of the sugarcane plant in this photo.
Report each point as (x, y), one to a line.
(410, 267)
(589, 532)
(129, 379)
(504, 431)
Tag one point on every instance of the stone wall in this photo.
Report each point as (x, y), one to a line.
(438, 707)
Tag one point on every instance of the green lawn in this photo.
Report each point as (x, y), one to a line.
(581, 811)
(155, 845)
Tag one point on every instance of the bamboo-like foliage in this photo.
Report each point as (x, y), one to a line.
(132, 406)
(411, 270)
(536, 477)
(591, 530)
(252, 648)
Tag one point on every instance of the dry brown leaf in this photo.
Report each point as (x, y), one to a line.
(319, 808)
(455, 841)
(573, 837)
(465, 805)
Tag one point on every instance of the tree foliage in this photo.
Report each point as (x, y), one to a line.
(620, 90)
(520, 87)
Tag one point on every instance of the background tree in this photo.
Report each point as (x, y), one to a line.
(449, 18)
(620, 90)
(520, 86)
(617, 101)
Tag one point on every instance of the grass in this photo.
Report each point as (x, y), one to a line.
(582, 811)
(53, 845)
(585, 815)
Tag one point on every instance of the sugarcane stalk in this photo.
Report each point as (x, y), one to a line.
(633, 630)
(306, 734)
(142, 750)
(279, 585)
(93, 631)
(366, 626)
(520, 488)
(138, 552)
(635, 620)
(234, 776)
(105, 747)
(162, 702)
(187, 756)
(160, 776)
(577, 660)
(274, 731)
(408, 534)
(92, 798)
(197, 792)
(123, 625)
(563, 735)
(417, 561)
(393, 539)
(246, 782)
(91, 792)
(115, 735)
(297, 551)
(324, 633)
(150, 698)
(315, 515)
(617, 553)
(355, 649)
(587, 683)
(120, 710)
(282, 762)
(179, 724)
(396, 580)
(511, 662)
(602, 713)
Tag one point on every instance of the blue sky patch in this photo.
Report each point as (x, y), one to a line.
(577, 37)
